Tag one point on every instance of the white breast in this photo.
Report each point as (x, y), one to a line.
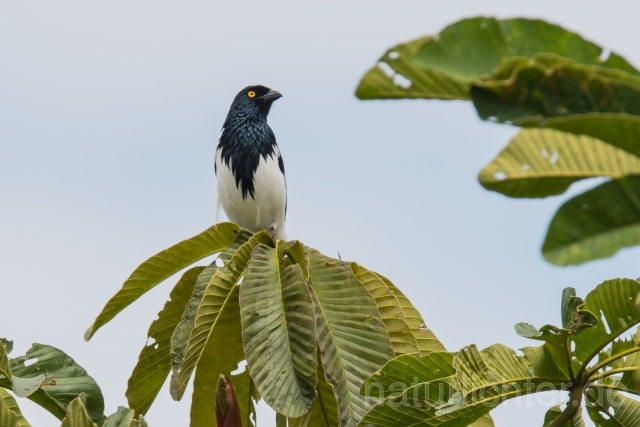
(266, 209)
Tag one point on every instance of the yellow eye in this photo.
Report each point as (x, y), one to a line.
(251, 94)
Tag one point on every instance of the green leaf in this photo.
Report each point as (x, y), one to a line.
(351, 335)
(553, 413)
(595, 224)
(77, 415)
(408, 370)
(613, 409)
(278, 330)
(65, 380)
(481, 381)
(536, 91)
(8, 345)
(163, 265)
(425, 338)
(220, 292)
(614, 302)
(402, 339)
(180, 337)
(545, 162)
(619, 130)
(324, 411)
(10, 415)
(444, 66)
(123, 417)
(154, 362)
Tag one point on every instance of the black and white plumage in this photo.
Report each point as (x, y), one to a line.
(252, 188)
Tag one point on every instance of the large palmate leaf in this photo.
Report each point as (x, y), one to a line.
(425, 338)
(595, 224)
(536, 90)
(163, 265)
(402, 340)
(545, 162)
(351, 336)
(444, 66)
(217, 327)
(278, 330)
(180, 337)
(154, 362)
(10, 415)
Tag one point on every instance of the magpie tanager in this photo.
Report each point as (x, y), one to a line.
(249, 168)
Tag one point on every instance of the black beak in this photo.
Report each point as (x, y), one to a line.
(270, 96)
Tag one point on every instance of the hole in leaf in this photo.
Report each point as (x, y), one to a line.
(500, 176)
(393, 55)
(29, 362)
(240, 369)
(604, 323)
(401, 81)
(386, 68)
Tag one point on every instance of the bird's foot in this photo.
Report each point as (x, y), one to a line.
(272, 231)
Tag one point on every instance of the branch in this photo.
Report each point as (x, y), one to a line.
(572, 408)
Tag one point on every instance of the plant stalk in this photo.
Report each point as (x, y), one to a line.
(574, 404)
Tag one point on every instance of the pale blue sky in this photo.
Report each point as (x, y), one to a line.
(109, 115)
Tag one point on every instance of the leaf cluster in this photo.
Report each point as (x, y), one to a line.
(580, 115)
(50, 378)
(589, 356)
(310, 328)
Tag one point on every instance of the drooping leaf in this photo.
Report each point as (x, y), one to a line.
(425, 338)
(64, 381)
(402, 339)
(545, 162)
(10, 415)
(180, 337)
(163, 265)
(595, 224)
(278, 330)
(217, 326)
(536, 91)
(324, 411)
(350, 333)
(444, 66)
(220, 295)
(553, 413)
(154, 362)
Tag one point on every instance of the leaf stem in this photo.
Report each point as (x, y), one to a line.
(614, 371)
(605, 362)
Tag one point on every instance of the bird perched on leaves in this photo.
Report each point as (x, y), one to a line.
(251, 183)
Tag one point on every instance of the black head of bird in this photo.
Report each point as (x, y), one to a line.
(252, 103)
